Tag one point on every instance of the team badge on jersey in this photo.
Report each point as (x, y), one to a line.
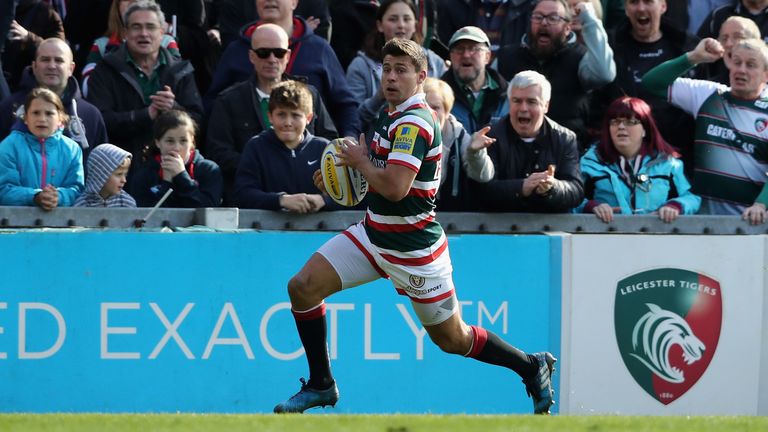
(405, 139)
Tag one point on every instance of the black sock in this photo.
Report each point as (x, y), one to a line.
(312, 332)
(489, 348)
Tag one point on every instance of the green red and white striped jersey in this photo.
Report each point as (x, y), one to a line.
(406, 232)
(731, 144)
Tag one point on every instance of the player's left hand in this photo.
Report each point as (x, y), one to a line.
(317, 179)
(353, 154)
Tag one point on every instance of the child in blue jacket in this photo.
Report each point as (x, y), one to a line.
(39, 166)
(632, 170)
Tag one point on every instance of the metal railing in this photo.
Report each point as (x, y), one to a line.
(495, 223)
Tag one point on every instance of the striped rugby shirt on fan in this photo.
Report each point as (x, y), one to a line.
(406, 232)
(730, 166)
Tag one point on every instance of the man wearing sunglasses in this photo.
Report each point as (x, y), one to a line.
(310, 57)
(240, 112)
(550, 48)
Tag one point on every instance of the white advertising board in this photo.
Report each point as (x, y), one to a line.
(664, 325)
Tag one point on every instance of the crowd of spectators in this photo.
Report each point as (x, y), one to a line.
(545, 106)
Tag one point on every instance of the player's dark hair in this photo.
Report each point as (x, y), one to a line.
(291, 95)
(406, 48)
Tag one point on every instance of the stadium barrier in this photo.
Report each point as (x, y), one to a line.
(118, 319)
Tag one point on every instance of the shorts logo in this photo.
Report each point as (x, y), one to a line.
(405, 139)
(667, 324)
(416, 281)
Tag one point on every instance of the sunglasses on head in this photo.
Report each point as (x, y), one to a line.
(263, 53)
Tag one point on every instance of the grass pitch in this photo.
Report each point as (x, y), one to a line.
(364, 423)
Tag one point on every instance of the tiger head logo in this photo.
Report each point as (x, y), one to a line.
(655, 334)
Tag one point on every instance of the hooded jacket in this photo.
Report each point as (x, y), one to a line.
(460, 169)
(103, 161)
(199, 185)
(660, 181)
(115, 90)
(311, 57)
(269, 169)
(84, 117)
(27, 164)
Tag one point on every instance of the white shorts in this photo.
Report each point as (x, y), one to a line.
(357, 261)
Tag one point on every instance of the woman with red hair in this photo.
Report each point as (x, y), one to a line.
(632, 170)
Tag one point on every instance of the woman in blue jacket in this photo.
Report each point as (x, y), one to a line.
(632, 170)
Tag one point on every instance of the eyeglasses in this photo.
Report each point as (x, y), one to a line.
(137, 28)
(548, 19)
(472, 50)
(624, 121)
(264, 53)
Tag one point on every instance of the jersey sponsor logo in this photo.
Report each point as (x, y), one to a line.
(405, 139)
(416, 281)
(761, 124)
(721, 132)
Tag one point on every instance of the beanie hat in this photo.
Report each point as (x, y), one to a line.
(102, 162)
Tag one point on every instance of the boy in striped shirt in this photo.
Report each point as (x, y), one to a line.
(399, 239)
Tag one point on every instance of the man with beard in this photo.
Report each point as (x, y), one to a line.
(479, 89)
(550, 48)
(643, 42)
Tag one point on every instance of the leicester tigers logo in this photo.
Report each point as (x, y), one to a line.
(667, 325)
(655, 335)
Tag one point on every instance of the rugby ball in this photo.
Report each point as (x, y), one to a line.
(344, 185)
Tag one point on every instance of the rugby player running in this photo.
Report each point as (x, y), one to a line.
(399, 239)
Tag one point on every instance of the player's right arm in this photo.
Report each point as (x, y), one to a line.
(393, 182)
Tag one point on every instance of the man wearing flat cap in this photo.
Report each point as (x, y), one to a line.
(480, 91)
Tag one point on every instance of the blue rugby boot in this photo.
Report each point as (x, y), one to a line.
(539, 386)
(307, 398)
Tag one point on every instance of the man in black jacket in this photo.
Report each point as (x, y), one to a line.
(535, 159)
(139, 80)
(240, 112)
